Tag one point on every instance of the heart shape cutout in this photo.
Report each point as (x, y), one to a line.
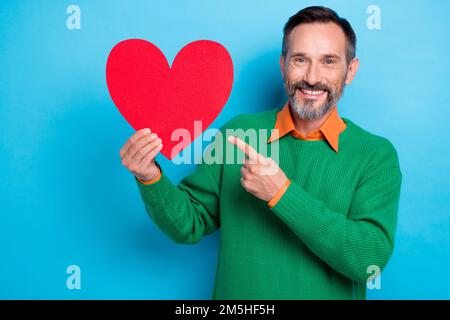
(151, 94)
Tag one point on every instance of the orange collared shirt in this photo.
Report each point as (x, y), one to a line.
(329, 130)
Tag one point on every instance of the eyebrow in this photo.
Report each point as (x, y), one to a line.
(332, 56)
(326, 56)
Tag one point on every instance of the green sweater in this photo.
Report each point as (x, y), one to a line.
(337, 217)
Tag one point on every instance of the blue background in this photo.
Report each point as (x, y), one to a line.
(66, 199)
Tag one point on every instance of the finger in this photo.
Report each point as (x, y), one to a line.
(131, 156)
(135, 137)
(252, 154)
(243, 183)
(247, 185)
(245, 173)
(253, 169)
(147, 151)
(150, 156)
(133, 164)
(141, 143)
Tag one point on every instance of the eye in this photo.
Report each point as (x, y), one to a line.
(299, 60)
(329, 61)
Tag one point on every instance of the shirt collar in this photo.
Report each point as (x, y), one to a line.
(330, 129)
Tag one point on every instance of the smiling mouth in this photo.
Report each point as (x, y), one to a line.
(312, 94)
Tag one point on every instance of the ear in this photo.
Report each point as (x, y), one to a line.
(352, 69)
(282, 65)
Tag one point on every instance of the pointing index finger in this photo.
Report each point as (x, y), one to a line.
(252, 154)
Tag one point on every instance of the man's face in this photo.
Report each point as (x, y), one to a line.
(315, 68)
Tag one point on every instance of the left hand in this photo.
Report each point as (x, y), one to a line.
(261, 176)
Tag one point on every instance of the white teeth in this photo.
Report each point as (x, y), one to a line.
(313, 93)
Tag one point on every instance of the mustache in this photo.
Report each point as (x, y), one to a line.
(306, 86)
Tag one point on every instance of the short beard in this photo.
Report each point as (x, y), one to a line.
(308, 111)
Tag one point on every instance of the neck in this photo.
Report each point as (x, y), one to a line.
(306, 126)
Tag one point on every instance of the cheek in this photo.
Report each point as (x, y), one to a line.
(336, 78)
(293, 74)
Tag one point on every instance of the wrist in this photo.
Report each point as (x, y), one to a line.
(153, 179)
(280, 192)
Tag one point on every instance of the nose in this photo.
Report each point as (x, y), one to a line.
(312, 75)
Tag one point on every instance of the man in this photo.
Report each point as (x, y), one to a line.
(326, 214)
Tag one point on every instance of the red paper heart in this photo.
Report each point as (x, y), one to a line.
(151, 94)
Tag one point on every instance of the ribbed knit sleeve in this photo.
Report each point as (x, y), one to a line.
(187, 211)
(350, 241)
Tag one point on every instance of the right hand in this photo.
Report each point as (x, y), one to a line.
(139, 152)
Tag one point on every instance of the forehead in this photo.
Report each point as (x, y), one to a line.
(317, 39)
